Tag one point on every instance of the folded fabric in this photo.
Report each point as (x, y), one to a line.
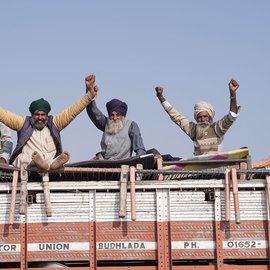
(233, 154)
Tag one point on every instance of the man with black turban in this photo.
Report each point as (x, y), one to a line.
(206, 135)
(39, 141)
(120, 136)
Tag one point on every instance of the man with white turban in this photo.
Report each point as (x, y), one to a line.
(206, 135)
(121, 137)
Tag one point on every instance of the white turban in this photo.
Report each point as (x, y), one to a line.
(203, 106)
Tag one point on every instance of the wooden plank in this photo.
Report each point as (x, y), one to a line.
(227, 193)
(23, 193)
(132, 193)
(13, 197)
(123, 191)
(46, 189)
(235, 195)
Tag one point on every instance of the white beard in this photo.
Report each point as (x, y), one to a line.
(114, 127)
(202, 128)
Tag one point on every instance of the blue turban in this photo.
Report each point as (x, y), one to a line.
(118, 106)
(40, 105)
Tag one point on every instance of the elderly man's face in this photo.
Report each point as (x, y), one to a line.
(203, 117)
(115, 123)
(115, 116)
(40, 119)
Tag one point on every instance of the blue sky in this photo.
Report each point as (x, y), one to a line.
(191, 48)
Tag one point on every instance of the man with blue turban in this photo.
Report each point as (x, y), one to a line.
(120, 136)
(206, 134)
(39, 141)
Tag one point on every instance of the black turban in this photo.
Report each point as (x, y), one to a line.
(40, 105)
(118, 106)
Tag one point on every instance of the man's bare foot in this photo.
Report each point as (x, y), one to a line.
(39, 161)
(60, 161)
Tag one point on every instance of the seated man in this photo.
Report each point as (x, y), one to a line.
(120, 136)
(39, 141)
(206, 135)
(6, 144)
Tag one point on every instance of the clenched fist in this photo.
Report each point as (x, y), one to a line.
(159, 93)
(233, 85)
(90, 82)
(159, 90)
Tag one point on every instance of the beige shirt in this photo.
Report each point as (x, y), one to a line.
(42, 142)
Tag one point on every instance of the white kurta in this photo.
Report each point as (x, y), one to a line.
(40, 141)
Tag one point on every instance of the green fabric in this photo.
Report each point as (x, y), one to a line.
(40, 105)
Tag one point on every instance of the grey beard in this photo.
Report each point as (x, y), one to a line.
(37, 125)
(201, 128)
(114, 127)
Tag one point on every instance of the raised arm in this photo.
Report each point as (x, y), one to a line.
(90, 85)
(179, 119)
(12, 120)
(233, 86)
(159, 94)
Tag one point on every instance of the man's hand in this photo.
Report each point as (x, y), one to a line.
(90, 86)
(90, 82)
(93, 91)
(3, 161)
(159, 93)
(233, 86)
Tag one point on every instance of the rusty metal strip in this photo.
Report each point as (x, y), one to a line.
(235, 195)
(13, 197)
(163, 230)
(92, 231)
(160, 231)
(132, 193)
(23, 244)
(168, 248)
(267, 191)
(161, 249)
(218, 231)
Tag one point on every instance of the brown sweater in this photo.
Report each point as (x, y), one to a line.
(207, 138)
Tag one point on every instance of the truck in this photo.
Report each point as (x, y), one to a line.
(136, 215)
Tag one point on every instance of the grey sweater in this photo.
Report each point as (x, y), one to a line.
(120, 145)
